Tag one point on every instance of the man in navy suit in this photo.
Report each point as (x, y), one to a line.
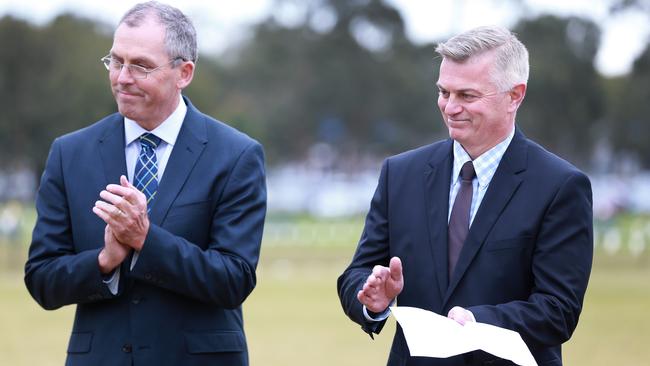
(151, 219)
(525, 250)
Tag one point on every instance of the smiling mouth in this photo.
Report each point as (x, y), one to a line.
(127, 94)
(457, 121)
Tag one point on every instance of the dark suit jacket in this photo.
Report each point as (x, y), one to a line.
(181, 303)
(524, 266)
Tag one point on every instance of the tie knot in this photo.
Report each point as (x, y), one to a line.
(150, 140)
(467, 172)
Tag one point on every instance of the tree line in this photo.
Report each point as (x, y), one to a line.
(294, 87)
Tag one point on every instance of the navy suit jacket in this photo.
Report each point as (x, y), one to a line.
(524, 266)
(181, 303)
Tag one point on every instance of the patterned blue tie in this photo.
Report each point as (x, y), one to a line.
(146, 168)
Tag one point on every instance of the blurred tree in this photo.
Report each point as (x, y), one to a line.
(343, 74)
(565, 103)
(346, 75)
(630, 111)
(628, 96)
(51, 83)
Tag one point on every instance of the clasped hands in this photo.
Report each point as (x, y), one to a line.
(385, 283)
(124, 210)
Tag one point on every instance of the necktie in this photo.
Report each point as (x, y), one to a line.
(459, 219)
(146, 168)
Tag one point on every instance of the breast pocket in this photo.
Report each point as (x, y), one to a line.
(191, 221)
(519, 243)
(188, 210)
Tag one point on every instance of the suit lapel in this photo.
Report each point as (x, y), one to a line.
(501, 189)
(437, 178)
(187, 150)
(111, 150)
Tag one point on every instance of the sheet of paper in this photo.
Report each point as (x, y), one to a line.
(431, 335)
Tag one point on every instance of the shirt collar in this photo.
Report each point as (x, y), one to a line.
(485, 165)
(167, 131)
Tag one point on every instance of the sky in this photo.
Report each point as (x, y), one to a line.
(221, 23)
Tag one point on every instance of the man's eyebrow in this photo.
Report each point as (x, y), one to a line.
(466, 90)
(135, 60)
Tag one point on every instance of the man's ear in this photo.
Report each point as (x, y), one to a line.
(186, 74)
(517, 94)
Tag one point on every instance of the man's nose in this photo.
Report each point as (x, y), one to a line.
(453, 106)
(124, 75)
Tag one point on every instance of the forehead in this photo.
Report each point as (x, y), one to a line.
(473, 73)
(146, 41)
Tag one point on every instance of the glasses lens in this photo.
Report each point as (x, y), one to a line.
(138, 72)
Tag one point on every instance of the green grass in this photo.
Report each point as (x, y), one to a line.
(614, 326)
(294, 318)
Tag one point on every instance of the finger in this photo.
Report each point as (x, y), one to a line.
(375, 282)
(130, 194)
(111, 198)
(396, 268)
(133, 191)
(363, 298)
(368, 287)
(121, 190)
(109, 213)
(102, 214)
(124, 181)
(380, 271)
(106, 207)
(370, 301)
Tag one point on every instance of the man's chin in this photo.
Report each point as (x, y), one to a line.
(456, 133)
(126, 111)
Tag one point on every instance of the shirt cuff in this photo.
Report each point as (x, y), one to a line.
(380, 316)
(114, 281)
(134, 260)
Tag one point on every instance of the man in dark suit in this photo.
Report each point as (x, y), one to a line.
(486, 226)
(151, 219)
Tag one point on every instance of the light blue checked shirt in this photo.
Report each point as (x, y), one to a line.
(168, 132)
(485, 166)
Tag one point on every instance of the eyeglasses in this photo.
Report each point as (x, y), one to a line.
(136, 71)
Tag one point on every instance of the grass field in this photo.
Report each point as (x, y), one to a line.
(294, 318)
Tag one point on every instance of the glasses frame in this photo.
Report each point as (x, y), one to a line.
(136, 71)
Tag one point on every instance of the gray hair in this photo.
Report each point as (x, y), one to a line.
(180, 35)
(511, 56)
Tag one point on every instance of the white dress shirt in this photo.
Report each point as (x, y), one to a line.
(167, 131)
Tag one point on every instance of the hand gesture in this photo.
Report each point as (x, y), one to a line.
(124, 209)
(113, 253)
(382, 286)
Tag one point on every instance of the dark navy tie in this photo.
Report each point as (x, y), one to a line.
(459, 219)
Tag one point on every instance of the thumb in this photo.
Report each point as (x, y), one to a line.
(395, 269)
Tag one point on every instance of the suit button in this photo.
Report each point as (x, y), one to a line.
(147, 276)
(127, 348)
(135, 301)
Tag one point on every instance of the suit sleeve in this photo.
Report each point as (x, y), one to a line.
(55, 274)
(373, 249)
(224, 273)
(561, 266)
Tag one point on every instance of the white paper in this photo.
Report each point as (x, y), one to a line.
(431, 335)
